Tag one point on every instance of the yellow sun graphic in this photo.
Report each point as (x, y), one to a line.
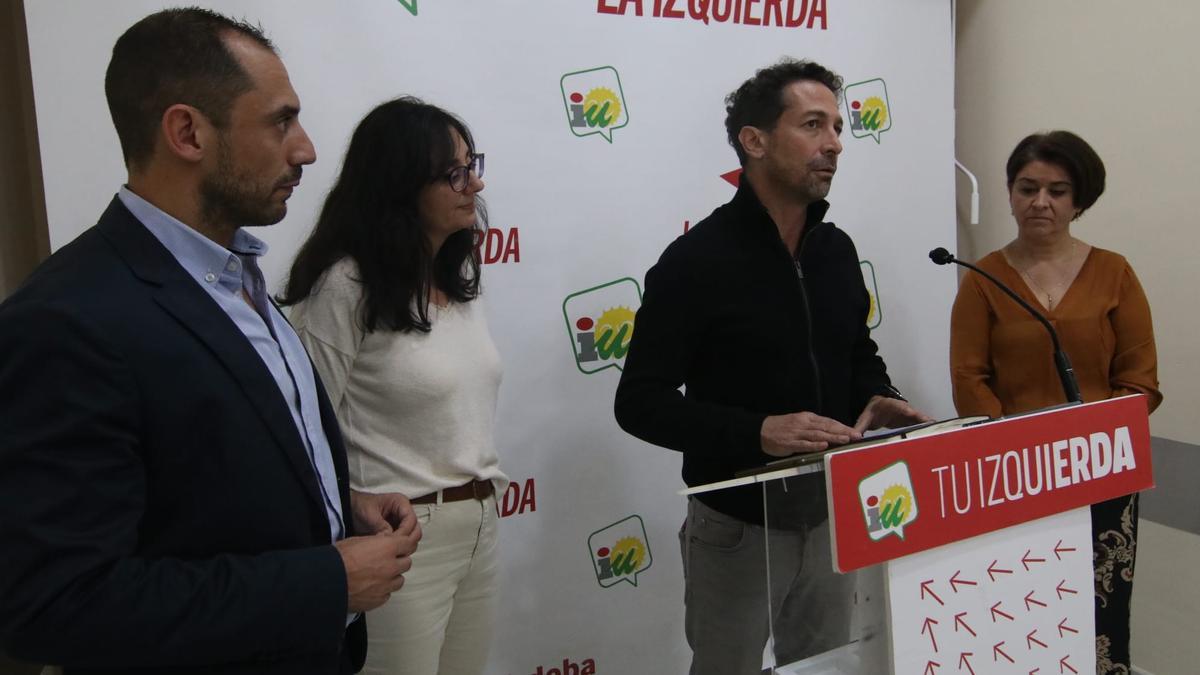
(596, 100)
(897, 493)
(874, 103)
(629, 550)
(615, 323)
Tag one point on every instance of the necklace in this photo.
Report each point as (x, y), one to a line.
(1061, 282)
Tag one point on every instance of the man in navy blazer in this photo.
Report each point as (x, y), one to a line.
(173, 492)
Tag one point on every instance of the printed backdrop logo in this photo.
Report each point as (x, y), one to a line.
(595, 102)
(494, 246)
(519, 497)
(410, 5)
(569, 667)
(600, 323)
(868, 108)
(620, 552)
(778, 13)
(875, 314)
(887, 500)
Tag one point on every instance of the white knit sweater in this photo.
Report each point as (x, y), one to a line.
(417, 409)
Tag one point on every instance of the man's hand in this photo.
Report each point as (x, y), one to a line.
(892, 413)
(784, 435)
(381, 514)
(375, 565)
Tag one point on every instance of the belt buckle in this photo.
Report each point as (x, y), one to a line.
(476, 489)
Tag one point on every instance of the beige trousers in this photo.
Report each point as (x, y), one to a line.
(441, 622)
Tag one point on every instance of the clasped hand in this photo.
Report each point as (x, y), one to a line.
(376, 562)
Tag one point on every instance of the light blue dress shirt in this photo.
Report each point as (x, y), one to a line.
(223, 273)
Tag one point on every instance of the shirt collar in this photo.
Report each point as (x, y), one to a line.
(747, 198)
(203, 259)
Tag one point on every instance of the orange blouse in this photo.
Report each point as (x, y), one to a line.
(1002, 359)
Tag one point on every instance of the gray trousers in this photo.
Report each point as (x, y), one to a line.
(726, 593)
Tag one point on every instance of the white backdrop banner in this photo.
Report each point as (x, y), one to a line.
(602, 121)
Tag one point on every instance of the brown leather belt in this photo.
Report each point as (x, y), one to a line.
(476, 489)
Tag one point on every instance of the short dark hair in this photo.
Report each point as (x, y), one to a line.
(759, 101)
(1068, 151)
(371, 215)
(173, 56)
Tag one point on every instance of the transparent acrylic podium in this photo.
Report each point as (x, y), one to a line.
(829, 623)
(965, 542)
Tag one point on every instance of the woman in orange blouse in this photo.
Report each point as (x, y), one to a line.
(1001, 359)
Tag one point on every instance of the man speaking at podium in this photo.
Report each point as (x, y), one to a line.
(760, 313)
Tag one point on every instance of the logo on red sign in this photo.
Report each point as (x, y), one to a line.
(984, 478)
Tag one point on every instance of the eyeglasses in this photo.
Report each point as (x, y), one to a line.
(459, 176)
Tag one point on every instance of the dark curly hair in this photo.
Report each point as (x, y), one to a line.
(371, 216)
(759, 101)
(1069, 152)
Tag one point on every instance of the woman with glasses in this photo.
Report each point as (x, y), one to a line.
(386, 294)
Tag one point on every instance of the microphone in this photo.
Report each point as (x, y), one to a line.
(1066, 374)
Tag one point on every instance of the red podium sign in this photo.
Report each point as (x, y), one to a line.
(901, 497)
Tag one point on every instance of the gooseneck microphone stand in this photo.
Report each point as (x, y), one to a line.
(1066, 374)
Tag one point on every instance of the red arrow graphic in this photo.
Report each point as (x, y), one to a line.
(1063, 589)
(962, 658)
(1059, 548)
(996, 650)
(930, 666)
(1062, 663)
(1003, 614)
(992, 570)
(1025, 560)
(958, 620)
(1030, 600)
(926, 589)
(733, 177)
(929, 624)
(1062, 625)
(1030, 640)
(955, 581)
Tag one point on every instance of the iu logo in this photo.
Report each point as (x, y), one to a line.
(875, 314)
(600, 324)
(620, 552)
(888, 502)
(595, 102)
(868, 109)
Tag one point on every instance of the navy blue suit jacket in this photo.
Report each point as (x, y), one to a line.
(158, 509)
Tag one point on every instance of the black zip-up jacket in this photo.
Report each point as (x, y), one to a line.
(729, 314)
